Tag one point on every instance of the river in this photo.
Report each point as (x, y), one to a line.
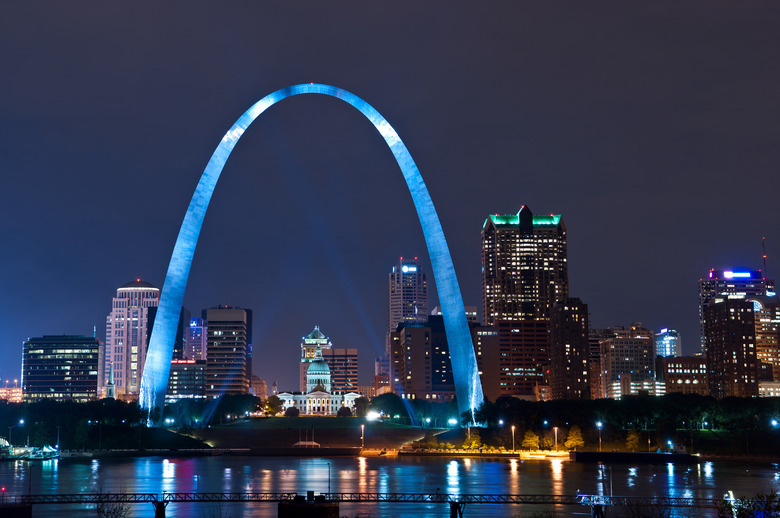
(376, 475)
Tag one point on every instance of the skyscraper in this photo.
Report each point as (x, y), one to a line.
(734, 283)
(667, 343)
(407, 294)
(343, 364)
(227, 350)
(524, 272)
(60, 368)
(126, 337)
(569, 350)
(730, 348)
(767, 318)
(524, 266)
(627, 361)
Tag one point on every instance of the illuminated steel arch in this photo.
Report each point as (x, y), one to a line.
(154, 382)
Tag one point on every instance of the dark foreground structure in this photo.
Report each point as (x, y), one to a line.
(326, 505)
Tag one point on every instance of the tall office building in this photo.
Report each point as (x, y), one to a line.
(343, 365)
(667, 343)
(407, 294)
(734, 283)
(60, 368)
(524, 266)
(524, 272)
(767, 318)
(187, 380)
(627, 361)
(312, 346)
(730, 348)
(229, 335)
(126, 337)
(196, 340)
(569, 350)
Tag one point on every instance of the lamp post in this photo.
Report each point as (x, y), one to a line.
(328, 477)
(555, 429)
(599, 425)
(513, 438)
(9, 433)
(362, 436)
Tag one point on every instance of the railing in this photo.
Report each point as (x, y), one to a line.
(456, 501)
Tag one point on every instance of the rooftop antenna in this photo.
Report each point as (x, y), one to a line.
(763, 249)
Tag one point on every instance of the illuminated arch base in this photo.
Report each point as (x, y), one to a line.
(154, 382)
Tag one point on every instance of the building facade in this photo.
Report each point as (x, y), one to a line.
(312, 347)
(730, 348)
(187, 380)
(667, 343)
(627, 360)
(127, 331)
(683, 374)
(343, 364)
(318, 399)
(766, 312)
(733, 283)
(196, 340)
(524, 272)
(569, 350)
(60, 368)
(228, 341)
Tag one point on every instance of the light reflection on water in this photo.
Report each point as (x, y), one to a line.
(372, 474)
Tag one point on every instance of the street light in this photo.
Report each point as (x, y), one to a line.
(555, 429)
(513, 438)
(599, 425)
(328, 477)
(362, 436)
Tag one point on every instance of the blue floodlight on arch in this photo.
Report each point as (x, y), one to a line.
(154, 382)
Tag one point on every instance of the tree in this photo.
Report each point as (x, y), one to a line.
(361, 406)
(273, 405)
(574, 438)
(292, 412)
(531, 440)
(344, 412)
(632, 439)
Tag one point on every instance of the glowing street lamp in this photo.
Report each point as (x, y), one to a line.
(555, 429)
(362, 436)
(599, 425)
(775, 423)
(513, 438)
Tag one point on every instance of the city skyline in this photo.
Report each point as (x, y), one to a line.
(637, 124)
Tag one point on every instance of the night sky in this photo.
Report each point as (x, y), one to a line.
(652, 127)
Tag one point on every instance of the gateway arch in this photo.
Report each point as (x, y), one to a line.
(154, 381)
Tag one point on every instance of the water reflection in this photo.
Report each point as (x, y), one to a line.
(453, 479)
(370, 474)
(557, 476)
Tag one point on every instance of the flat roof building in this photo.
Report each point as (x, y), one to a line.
(60, 368)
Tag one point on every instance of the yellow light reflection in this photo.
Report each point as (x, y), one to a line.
(514, 477)
(557, 476)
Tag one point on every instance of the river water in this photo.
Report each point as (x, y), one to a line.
(376, 475)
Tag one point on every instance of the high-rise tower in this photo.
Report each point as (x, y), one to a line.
(734, 283)
(229, 335)
(524, 272)
(407, 294)
(126, 337)
(524, 266)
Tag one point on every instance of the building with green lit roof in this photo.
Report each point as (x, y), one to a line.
(524, 272)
